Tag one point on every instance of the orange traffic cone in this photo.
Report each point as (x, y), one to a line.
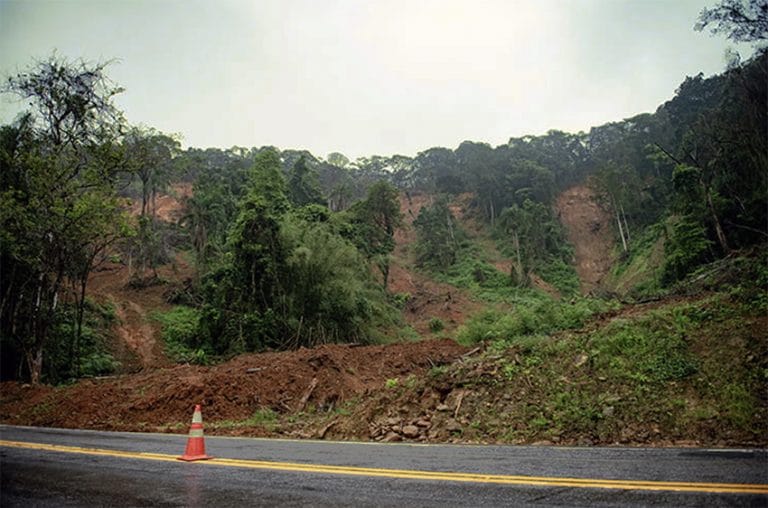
(195, 443)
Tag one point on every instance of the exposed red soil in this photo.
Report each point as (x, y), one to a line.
(428, 299)
(139, 345)
(138, 337)
(588, 228)
(168, 207)
(292, 381)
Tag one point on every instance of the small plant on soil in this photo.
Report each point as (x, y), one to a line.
(436, 325)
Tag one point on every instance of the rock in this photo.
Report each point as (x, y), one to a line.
(580, 360)
(443, 407)
(411, 431)
(453, 426)
(392, 437)
(543, 442)
(423, 423)
(608, 411)
(393, 421)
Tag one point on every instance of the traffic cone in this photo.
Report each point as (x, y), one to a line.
(196, 442)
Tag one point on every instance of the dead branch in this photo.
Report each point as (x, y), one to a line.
(307, 394)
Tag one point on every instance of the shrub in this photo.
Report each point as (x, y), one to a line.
(436, 325)
(179, 332)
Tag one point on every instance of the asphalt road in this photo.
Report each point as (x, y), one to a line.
(55, 467)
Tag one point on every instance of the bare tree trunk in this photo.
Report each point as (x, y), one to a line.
(718, 227)
(518, 268)
(449, 222)
(626, 225)
(493, 214)
(35, 364)
(618, 221)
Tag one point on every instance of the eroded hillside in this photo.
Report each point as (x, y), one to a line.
(588, 228)
(683, 370)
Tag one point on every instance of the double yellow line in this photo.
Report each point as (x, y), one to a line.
(727, 488)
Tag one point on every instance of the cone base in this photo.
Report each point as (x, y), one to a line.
(190, 458)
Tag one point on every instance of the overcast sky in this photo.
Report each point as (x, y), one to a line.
(370, 77)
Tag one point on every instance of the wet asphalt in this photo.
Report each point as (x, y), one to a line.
(50, 478)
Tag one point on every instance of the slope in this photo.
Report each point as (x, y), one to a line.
(588, 228)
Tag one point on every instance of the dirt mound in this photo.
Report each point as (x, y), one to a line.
(588, 228)
(284, 382)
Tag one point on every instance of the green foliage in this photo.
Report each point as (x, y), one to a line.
(329, 297)
(531, 316)
(741, 21)
(534, 239)
(98, 363)
(686, 248)
(436, 325)
(265, 418)
(58, 202)
(70, 356)
(638, 274)
(560, 273)
(303, 186)
(290, 278)
(180, 334)
(650, 350)
(373, 223)
(480, 277)
(438, 236)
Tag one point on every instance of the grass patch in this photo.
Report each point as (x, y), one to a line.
(684, 371)
(639, 273)
(531, 315)
(179, 333)
(650, 350)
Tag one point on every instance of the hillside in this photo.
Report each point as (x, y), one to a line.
(604, 286)
(590, 232)
(559, 388)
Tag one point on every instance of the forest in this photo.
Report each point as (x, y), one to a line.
(291, 249)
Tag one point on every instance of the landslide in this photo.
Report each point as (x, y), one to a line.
(684, 370)
(137, 345)
(588, 229)
(428, 299)
(287, 382)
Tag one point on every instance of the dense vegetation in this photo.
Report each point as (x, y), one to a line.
(292, 250)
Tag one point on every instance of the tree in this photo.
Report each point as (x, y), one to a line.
(149, 154)
(288, 278)
(338, 159)
(618, 185)
(303, 186)
(377, 218)
(532, 232)
(437, 231)
(57, 200)
(741, 20)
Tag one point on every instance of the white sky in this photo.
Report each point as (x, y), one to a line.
(368, 77)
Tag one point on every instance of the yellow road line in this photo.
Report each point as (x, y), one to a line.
(728, 488)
